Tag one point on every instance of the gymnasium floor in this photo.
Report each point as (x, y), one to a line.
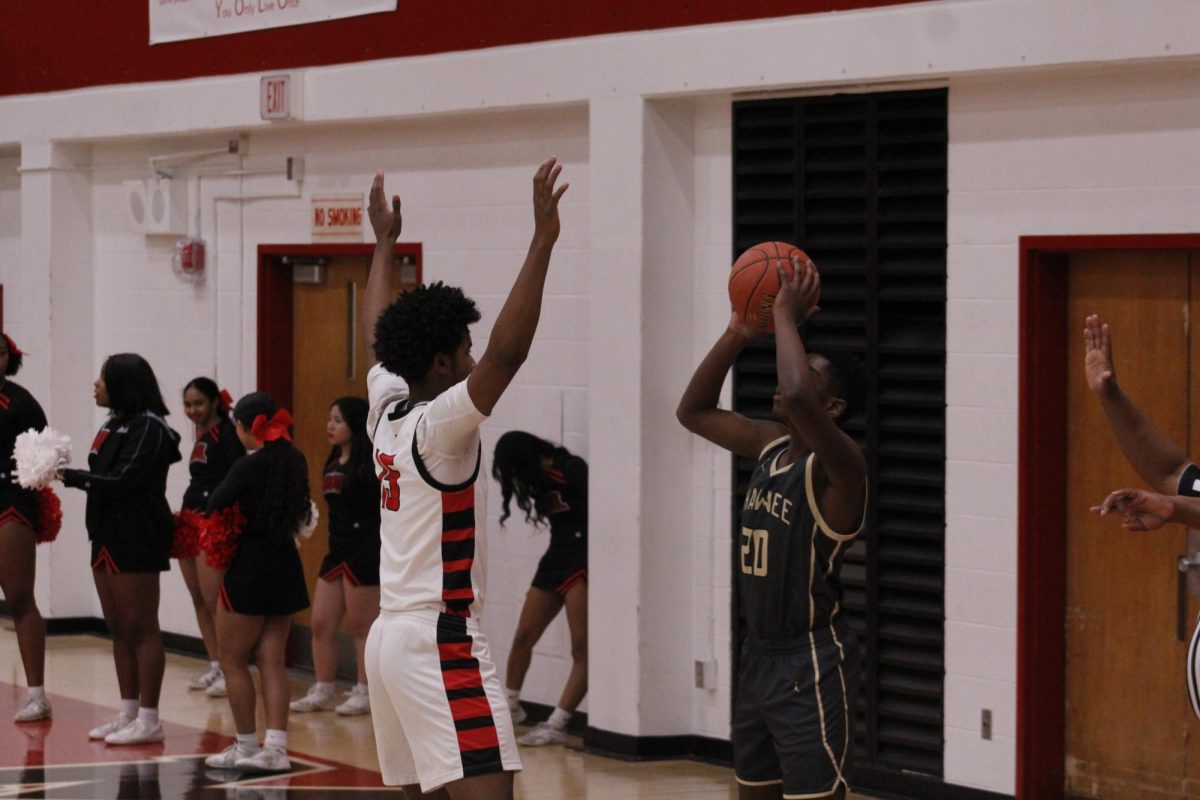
(333, 757)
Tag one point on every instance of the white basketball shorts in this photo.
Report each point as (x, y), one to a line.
(437, 704)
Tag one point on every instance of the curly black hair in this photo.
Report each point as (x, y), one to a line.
(848, 382)
(517, 465)
(15, 356)
(285, 499)
(132, 387)
(422, 323)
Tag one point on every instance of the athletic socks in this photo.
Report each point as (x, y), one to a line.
(148, 715)
(513, 695)
(275, 738)
(559, 719)
(129, 707)
(247, 743)
(37, 691)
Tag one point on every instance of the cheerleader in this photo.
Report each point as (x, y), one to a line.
(130, 526)
(23, 523)
(217, 447)
(349, 576)
(254, 515)
(550, 486)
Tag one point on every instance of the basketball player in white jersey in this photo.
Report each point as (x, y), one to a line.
(442, 724)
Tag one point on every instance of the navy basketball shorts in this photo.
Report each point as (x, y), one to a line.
(793, 723)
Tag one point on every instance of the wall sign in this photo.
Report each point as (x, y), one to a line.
(177, 20)
(337, 218)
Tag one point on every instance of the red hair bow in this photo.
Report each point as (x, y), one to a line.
(226, 400)
(12, 346)
(268, 430)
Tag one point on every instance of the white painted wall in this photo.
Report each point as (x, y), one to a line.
(1055, 128)
(1094, 152)
(10, 212)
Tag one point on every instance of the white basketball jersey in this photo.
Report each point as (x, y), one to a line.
(432, 504)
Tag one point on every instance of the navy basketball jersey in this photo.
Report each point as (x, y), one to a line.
(788, 558)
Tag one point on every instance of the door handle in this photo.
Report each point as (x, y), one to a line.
(351, 330)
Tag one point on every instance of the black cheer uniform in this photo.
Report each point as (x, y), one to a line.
(265, 577)
(19, 412)
(352, 497)
(213, 454)
(128, 519)
(800, 668)
(565, 505)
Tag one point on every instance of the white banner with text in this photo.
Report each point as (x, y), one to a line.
(177, 20)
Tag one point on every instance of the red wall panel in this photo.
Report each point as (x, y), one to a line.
(48, 47)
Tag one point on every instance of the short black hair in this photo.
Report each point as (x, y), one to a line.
(132, 387)
(253, 405)
(848, 382)
(15, 356)
(422, 323)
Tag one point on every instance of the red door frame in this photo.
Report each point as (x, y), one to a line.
(1041, 486)
(275, 306)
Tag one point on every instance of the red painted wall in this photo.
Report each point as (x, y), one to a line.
(53, 46)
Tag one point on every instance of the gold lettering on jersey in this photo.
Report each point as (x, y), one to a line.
(774, 503)
(754, 552)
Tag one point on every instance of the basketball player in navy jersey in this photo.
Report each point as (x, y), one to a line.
(442, 724)
(800, 668)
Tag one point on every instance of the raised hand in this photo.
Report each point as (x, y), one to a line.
(739, 328)
(1140, 510)
(798, 292)
(1097, 360)
(385, 219)
(545, 201)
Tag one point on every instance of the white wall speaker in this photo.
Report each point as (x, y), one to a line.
(166, 207)
(136, 205)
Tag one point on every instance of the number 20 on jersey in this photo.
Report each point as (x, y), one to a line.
(754, 552)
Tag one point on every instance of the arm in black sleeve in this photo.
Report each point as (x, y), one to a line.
(233, 488)
(231, 446)
(138, 454)
(576, 471)
(32, 416)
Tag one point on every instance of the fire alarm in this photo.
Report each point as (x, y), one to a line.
(188, 260)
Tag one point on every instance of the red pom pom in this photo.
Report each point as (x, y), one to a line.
(49, 515)
(219, 535)
(186, 543)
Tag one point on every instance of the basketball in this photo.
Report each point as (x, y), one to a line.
(753, 282)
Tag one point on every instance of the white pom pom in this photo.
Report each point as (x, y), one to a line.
(39, 455)
(306, 529)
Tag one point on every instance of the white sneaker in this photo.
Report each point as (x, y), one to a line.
(317, 699)
(269, 759)
(227, 758)
(217, 687)
(113, 725)
(543, 733)
(518, 713)
(358, 702)
(34, 709)
(203, 680)
(137, 732)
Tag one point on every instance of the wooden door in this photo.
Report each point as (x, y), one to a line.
(1129, 728)
(328, 362)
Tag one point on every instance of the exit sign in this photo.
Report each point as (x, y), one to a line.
(275, 97)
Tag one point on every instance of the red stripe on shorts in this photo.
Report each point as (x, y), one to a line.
(470, 708)
(454, 651)
(478, 739)
(462, 678)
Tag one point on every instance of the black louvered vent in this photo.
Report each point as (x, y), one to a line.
(859, 182)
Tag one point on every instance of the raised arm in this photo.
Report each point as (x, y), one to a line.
(512, 335)
(1155, 457)
(837, 454)
(698, 412)
(386, 222)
